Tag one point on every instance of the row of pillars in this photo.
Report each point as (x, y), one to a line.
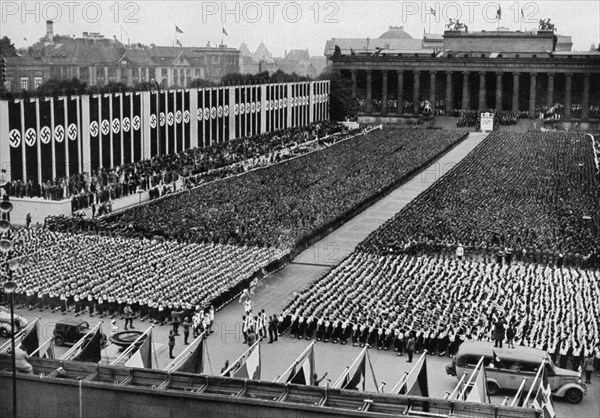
(466, 94)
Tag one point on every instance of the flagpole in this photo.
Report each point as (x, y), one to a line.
(518, 395)
(479, 363)
(130, 348)
(297, 361)
(184, 355)
(535, 381)
(411, 371)
(37, 350)
(458, 385)
(68, 354)
(240, 357)
(362, 353)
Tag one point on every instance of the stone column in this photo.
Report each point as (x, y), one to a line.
(400, 91)
(465, 91)
(568, 92)
(585, 100)
(384, 92)
(550, 93)
(353, 76)
(515, 93)
(369, 91)
(432, 88)
(532, 90)
(448, 91)
(498, 92)
(482, 93)
(416, 92)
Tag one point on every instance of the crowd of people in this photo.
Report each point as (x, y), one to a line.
(101, 274)
(377, 300)
(536, 193)
(102, 184)
(469, 118)
(280, 205)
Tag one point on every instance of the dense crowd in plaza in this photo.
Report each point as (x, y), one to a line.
(105, 184)
(377, 300)
(284, 203)
(103, 274)
(534, 194)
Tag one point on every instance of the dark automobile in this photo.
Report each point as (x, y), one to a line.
(69, 331)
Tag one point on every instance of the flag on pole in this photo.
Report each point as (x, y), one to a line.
(499, 12)
(432, 11)
(194, 360)
(522, 14)
(416, 382)
(543, 397)
(479, 389)
(46, 350)
(247, 365)
(31, 341)
(179, 43)
(177, 30)
(302, 371)
(496, 360)
(225, 32)
(91, 350)
(354, 375)
(142, 358)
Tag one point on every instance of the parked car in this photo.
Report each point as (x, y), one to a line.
(69, 331)
(512, 365)
(5, 328)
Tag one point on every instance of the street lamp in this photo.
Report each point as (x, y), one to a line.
(9, 289)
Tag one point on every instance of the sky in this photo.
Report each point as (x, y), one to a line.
(285, 25)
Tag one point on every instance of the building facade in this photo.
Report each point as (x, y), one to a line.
(98, 61)
(498, 71)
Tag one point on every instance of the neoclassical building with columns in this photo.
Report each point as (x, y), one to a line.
(494, 70)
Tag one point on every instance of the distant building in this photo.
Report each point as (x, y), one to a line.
(97, 61)
(520, 71)
(296, 61)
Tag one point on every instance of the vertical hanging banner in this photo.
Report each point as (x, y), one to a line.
(162, 123)
(187, 124)
(169, 112)
(154, 123)
(126, 128)
(136, 126)
(236, 111)
(73, 134)
(226, 95)
(207, 125)
(46, 132)
(105, 131)
(59, 136)
(220, 120)
(200, 117)
(30, 138)
(95, 132)
(214, 128)
(15, 140)
(258, 110)
(115, 125)
(242, 112)
(179, 120)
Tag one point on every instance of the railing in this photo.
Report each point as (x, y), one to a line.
(245, 396)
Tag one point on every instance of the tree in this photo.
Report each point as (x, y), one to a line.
(199, 83)
(340, 97)
(7, 48)
(56, 87)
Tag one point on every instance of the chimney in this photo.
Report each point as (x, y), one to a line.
(49, 31)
